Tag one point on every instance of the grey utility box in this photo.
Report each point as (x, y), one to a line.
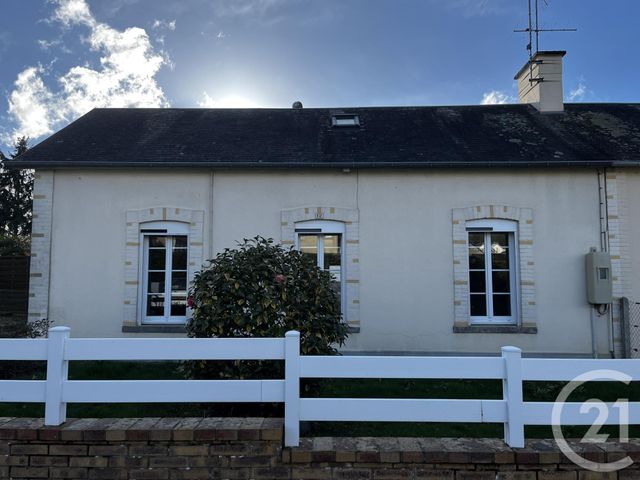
(599, 288)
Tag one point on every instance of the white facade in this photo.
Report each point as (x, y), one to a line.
(404, 271)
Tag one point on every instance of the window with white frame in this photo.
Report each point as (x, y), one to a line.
(323, 241)
(163, 286)
(493, 296)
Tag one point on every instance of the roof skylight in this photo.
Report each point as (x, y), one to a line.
(345, 120)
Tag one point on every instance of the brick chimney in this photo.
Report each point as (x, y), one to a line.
(540, 81)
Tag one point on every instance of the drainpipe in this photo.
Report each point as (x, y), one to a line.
(210, 217)
(53, 195)
(604, 241)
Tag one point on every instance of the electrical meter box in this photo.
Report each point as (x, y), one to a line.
(599, 287)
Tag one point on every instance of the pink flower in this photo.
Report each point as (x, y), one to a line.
(190, 302)
(279, 278)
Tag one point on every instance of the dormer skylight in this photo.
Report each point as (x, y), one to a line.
(345, 120)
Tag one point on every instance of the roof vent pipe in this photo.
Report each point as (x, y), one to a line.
(297, 105)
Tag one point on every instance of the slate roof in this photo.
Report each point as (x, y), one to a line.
(464, 136)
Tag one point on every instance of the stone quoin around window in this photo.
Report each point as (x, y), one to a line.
(525, 318)
(135, 221)
(349, 217)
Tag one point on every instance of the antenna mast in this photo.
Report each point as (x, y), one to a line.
(534, 28)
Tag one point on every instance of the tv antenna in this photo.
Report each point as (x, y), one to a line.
(534, 28)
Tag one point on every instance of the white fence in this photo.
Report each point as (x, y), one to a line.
(56, 391)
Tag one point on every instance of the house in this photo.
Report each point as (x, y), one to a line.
(450, 229)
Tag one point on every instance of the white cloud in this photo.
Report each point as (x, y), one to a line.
(496, 97)
(46, 45)
(164, 25)
(56, 44)
(578, 93)
(241, 8)
(124, 78)
(113, 7)
(32, 104)
(206, 101)
(73, 12)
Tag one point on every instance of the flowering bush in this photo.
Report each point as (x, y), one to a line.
(260, 289)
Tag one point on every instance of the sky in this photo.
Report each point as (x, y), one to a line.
(61, 58)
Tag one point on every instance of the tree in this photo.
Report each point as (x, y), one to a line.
(16, 188)
(263, 290)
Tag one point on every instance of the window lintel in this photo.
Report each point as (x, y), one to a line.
(168, 227)
(321, 226)
(492, 224)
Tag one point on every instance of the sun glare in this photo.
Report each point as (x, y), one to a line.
(227, 101)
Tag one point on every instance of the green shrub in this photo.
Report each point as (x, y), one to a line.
(14, 245)
(17, 326)
(261, 289)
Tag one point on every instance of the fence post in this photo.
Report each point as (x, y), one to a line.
(512, 393)
(625, 320)
(292, 389)
(55, 411)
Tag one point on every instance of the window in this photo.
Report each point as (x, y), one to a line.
(492, 271)
(164, 272)
(323, 241)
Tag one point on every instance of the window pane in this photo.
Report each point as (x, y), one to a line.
(178, 306)
(157, 258)
(478, 305)
(178, 281)
(476, 239)
(477, 282)
(309, 246)
(332, 257)
(500, 260)
(502, 305)
(501, 282)
(156, 241)
(180, 241)
(476, 258)
(179, 259)
(155, 305)
(499, 241)
(336, 273)
(155, 283)
(332, 243)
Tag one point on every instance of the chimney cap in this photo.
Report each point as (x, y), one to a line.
(541, 53)
(297, 104)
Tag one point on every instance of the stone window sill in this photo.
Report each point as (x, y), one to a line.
(154, 329)
(526, 329)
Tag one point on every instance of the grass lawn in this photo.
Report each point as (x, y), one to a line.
(334, 388)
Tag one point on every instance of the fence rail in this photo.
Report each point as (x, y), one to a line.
(57, 390)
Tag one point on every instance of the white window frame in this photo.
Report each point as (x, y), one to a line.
(488, 226)
(327, 227)
(168, 229)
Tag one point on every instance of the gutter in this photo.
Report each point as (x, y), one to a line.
(315, 165)
(626, 163)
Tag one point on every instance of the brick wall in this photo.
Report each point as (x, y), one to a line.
(244, 448)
